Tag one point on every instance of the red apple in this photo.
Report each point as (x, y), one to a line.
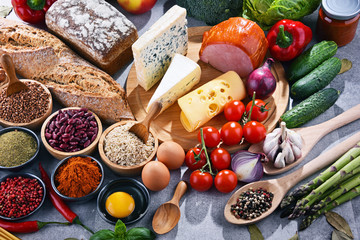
(137, 6)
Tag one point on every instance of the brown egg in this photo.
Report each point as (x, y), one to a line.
(155, 176)
(171, 154)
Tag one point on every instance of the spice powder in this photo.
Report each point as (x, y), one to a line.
(16, 148)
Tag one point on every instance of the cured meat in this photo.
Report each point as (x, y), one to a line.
(236, 45)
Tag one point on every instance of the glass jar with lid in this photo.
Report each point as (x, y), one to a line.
(338, 20)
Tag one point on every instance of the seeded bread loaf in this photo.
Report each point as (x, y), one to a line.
(95, 29)
(39, 55)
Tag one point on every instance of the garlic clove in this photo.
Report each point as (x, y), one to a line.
(296, 150)
(295, 138)
(289, 155)
(270, 143)
(280, 161)
(272, 154)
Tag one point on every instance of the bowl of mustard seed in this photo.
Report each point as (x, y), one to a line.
(18, 148)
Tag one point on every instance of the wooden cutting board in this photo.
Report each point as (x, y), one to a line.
(168, 126)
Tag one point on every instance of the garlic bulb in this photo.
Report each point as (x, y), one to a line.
(282, 146)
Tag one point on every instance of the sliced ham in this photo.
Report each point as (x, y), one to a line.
(236, 44)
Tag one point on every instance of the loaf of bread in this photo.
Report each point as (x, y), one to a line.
(39, 55)
(95, 29)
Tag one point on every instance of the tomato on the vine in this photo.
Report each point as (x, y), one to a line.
(231, 133)
(211, 136)
(225, 181)
(201, 181)
(220, 159)
(260, 110)
(234, 110)
(190, 160)
(254, 132)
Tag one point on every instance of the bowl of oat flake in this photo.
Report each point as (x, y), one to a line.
(125, 153)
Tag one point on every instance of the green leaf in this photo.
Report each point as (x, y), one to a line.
(120, 228)
(255, 233)
(5, 10)
(104, 234)
(140, 233)
(295, 237)
(339, 223)
(346, 65)
(337, 235)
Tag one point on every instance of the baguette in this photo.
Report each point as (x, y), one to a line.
(41, 56)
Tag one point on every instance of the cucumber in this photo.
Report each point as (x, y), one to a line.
(310, 108)
(317, 79)
(310, 59)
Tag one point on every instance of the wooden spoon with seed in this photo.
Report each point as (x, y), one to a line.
(280, 186)
(15, 85)
(141, 129)
(168, 214)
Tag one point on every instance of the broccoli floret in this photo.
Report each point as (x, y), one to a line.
(212, 11)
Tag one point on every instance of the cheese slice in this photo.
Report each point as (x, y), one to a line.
(205, 102)
(154, 50)
(182, 75)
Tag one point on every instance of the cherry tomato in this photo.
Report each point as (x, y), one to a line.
(190, 160)
(254, 132)
(231, 133)
(211, 136)
(201, 181)
(220, 159)
(234, 110)
(225, 181)
(260, 112)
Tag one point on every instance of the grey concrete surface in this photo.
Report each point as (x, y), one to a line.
(202, 213)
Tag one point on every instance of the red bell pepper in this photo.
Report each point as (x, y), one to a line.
(287, 39)
(31, 11)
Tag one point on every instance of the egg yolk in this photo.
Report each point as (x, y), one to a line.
(120, 204)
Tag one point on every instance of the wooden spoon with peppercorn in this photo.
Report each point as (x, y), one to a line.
(280, 186)
(19, 108)
(15, 85)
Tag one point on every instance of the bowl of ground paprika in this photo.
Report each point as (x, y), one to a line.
(77, 178)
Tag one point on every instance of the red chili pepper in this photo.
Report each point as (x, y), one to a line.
(25, 227)
(58, 203)
(287, 39)
(32, 11)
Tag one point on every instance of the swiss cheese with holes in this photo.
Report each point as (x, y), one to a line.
(205, 102)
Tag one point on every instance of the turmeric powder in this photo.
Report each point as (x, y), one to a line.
(78, 177)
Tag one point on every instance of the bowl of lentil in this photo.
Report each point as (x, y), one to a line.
(21, 195)
(77, 178)
(27, 108)
(71, 131)
(18, 148)
(125, 153)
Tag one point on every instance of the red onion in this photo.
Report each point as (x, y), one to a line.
(247, 166)
(262, 81)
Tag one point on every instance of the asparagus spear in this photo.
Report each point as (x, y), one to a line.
(304, 204)
(343, 188)
(305, 189)
(340, 200)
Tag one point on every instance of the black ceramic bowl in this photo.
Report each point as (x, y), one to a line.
(75, 199)
(25, 175)
(31, 133)
(131, 186)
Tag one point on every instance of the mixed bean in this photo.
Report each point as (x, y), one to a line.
(252, 203)
(24, 106)
(19, 196)
(71, 130)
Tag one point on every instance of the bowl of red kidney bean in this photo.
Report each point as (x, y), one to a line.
(21, 195)
(71, 131)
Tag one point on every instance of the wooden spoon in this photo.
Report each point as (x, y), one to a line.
(15, 85)
(279, 187)
(141, 129)
(168, 214)
(311, 135)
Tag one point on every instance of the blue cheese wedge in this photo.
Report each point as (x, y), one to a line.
(182, 75)
(154, 50)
